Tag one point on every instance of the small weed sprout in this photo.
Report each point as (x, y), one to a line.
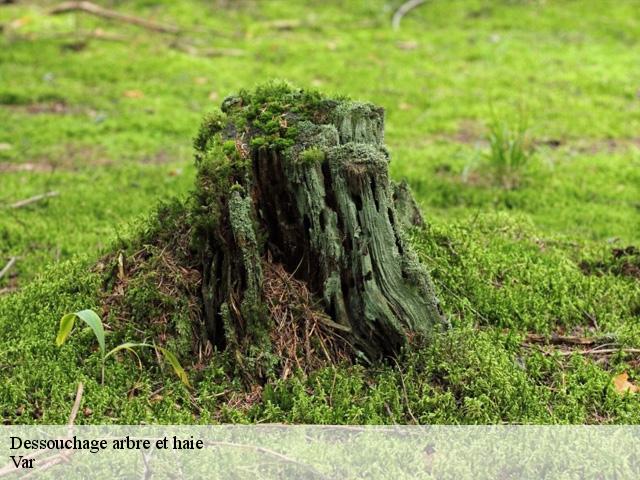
(510, 149)
(92, 319)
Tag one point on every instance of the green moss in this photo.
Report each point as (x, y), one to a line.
(229, 148)
(496, 277)
(259, 142)
(467, 375)
(312, 156)
(210, 126)
(271, 112)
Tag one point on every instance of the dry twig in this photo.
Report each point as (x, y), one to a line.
(53, 460)
(304, 337)
(34, 199)
(596, 351)
(12, 261)
(599, 350)
(76, 405)
(406, 396)
(403, 10)
(93, 9)
(565, 339)
(146, 467)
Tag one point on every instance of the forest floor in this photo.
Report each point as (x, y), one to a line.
(537, 264)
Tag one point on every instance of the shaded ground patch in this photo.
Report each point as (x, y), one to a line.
(620, 261)
(68, 157)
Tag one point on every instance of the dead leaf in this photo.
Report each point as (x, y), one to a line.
(213, 96)
(133, 94)
(622, 384)
(200, 80)
(404, 106)
(408, 45)
(156, 398)
(5, 146)
(19, 22)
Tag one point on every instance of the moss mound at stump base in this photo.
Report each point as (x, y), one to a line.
(299, 180)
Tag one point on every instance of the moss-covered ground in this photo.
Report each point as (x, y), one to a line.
(109, 123)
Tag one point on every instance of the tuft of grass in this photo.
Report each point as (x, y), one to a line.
(510, 149)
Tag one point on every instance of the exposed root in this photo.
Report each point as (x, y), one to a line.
(304, 336)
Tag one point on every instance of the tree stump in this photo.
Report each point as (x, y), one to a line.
(292, 178)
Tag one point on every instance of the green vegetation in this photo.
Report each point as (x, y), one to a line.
(509, 150)
(92, 319)
(109, 124)
(312, 155)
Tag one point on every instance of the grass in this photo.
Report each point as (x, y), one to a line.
(109, 125)
(509, 150)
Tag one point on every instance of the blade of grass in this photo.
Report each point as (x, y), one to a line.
(129, 346)
(175, 364)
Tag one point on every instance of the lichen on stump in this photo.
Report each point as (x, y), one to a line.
(299, 180)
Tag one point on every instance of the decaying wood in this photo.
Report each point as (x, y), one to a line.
(409, 214)
(330, 219)
(403, 10)
(93, 9)
(34, 199)
(565, 339)
(208, 51)
(596, 351)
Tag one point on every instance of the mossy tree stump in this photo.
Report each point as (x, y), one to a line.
(291, 177)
